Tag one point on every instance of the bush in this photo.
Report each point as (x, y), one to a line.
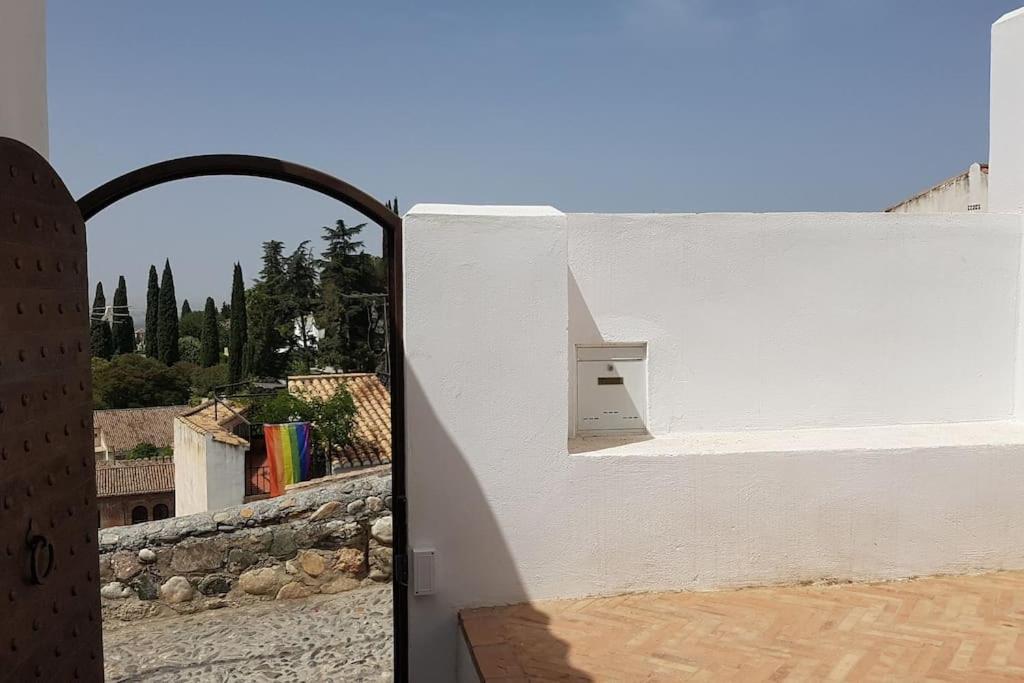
(146, 450)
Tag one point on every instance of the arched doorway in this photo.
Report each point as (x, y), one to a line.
(276, 169)
(140, 514)
(161, 511)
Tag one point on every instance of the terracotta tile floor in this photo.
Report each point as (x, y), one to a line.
(968, 628)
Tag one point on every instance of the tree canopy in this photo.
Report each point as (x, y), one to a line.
(135, 381)
(210, 335)
(101, 340)
(239, 328)
(167, 315)
(151, 343)
(123, 327)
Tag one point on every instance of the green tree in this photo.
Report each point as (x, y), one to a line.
(134, 381)
(266, 310)
(333, 419)
(300, 299)
(265, 338)
(191, 324)
(210, 354)
(185, 308)
(239, 328)
(273, 270)
(204, 380)
(353, 330)
(190, 349)
(151, 343)
(123, 328)
(167, 314)
(101, 340)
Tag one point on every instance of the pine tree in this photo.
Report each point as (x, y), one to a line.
(347, 270)
(185, 308)
(101, 339)
(301, 298)
(273, 271)
(123, 327)
(151, 344)
(210, 353)
(237, 342)
(167, 314)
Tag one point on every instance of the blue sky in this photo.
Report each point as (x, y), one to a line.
(627, 105)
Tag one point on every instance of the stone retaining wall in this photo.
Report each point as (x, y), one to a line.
(326, 538)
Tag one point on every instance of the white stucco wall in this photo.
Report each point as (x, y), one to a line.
(208, 474)
(189, 470)
(754, 322)
(773, 321)
(23, 113)
(1006, 130)
(225, 474)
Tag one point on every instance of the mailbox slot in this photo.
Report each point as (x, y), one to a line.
(611, 389)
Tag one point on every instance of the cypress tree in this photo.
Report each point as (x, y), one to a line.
(210, 353)
(237, 343)
(151, 345)
(101, 340)
(167, 314)
(185, 308)
(124, 327)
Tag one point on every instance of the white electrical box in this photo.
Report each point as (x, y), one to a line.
(424, 571)
(611, 389)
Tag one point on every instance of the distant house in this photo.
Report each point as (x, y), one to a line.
(117, 432)
(965, 192)
(210, 457)
(371, 438)
(133, 491)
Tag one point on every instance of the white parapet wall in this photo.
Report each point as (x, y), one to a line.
(831, 395)
(778, 321)
(23, 113)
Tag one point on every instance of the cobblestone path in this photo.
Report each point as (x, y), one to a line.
(345, 637)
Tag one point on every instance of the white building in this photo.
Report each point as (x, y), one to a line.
(967, 191)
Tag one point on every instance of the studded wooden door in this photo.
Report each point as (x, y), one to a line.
(48, 516)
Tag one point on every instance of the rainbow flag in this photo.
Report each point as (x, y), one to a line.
(289, 454)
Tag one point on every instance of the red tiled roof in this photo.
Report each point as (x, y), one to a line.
(131, 477)
(124, 429)
(218, 419)
(372, 434)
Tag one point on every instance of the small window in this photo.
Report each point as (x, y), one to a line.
(139, 514)
(160, 511)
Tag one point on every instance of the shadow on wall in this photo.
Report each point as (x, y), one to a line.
(489, 572)
(583, 329)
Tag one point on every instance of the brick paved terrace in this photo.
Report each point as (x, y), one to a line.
(968, 628)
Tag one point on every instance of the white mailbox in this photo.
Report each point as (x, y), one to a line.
(611, 389)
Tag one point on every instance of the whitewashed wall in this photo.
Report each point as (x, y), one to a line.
(755, 322)
(208, 474)
(23, 113)
(774, 321)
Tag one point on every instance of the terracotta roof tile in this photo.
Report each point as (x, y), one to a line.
(124, 429)
(217, 418)
(131, 477)
(372, 438)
